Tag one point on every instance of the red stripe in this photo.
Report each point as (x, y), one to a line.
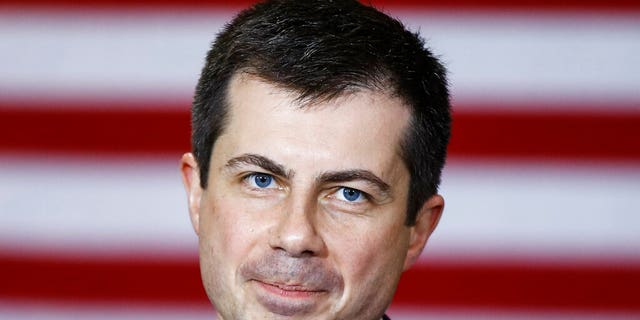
(83, 280)
(176, 281)
(551, 5)
(522, 286)
(579, 135)
(126, 130)
(105, 129)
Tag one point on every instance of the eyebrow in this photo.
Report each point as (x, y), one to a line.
(356, 174)
(326, 177)
(260, 161)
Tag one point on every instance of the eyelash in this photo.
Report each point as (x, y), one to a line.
(249, 181)
(335, 194)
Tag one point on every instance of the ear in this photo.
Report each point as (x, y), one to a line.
(426, 221)
(191, 181)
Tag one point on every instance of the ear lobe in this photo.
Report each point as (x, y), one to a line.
(426, 221)
(191, 180)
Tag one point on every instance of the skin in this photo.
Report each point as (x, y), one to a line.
(279, 235)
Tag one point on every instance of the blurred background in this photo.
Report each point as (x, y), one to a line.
(542, 184)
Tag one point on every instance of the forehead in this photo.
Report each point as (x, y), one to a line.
(356, 130)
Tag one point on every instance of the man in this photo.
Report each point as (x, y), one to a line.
(319, 135)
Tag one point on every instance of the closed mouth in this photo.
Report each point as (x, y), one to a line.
(289, 290)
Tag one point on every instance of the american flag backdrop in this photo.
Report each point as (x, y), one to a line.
(542, 184)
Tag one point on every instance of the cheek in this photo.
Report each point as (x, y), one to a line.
(228, 226)
(370, 254)
(376, 250)
(227, 239)
(371, 263)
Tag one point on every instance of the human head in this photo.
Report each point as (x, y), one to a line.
(319, 134)
(322, 50)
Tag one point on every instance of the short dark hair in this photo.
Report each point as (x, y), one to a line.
(322, 50)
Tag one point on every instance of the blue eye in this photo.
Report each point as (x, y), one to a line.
(351, 195)
(261, 180)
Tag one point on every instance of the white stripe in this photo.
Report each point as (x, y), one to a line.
(94, 207)
(138, 206)
(509, 57)
(497, 57)
(531, 210)
(41, 311)
(17, 310)
(501, 314)
(110, 57)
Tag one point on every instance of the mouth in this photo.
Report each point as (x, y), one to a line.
(289, 290)
(288, 299)
(287, 286)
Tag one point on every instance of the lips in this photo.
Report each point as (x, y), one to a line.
(292, 273)
(288, 285)
(289, 290)
(287, 300)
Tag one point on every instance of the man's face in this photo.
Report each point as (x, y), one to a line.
(303, 216)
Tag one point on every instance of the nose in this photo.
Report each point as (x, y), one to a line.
(296, 231)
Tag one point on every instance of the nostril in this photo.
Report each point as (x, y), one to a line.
(307, 253)
(297, 241)
(296, 254)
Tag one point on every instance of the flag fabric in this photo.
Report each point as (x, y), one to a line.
(542, 183)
